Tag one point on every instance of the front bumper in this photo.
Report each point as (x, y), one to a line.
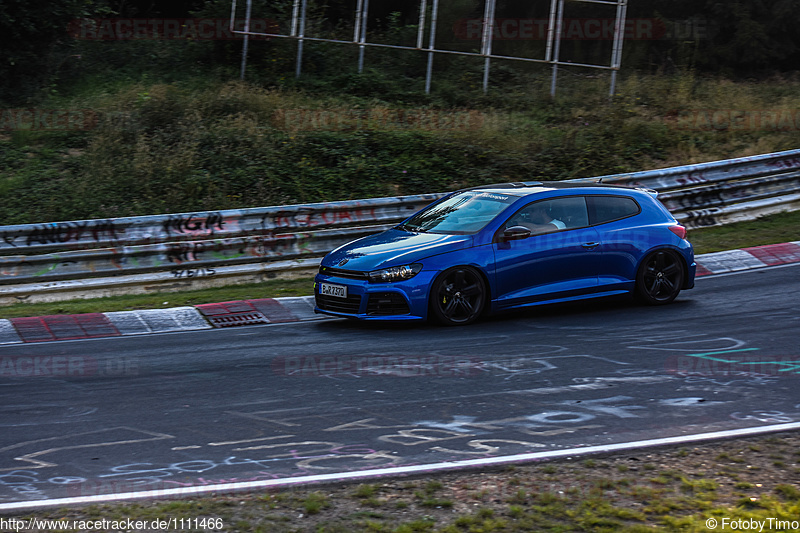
(400, 300)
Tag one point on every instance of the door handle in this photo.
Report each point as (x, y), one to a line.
(590, 245)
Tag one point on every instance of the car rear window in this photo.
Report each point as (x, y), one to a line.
(604, 209)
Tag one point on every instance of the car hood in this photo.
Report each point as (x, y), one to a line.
(393, 248)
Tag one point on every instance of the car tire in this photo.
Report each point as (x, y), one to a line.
(458, 296)
(660, 277)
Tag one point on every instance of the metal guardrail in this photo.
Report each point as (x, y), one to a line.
(722, 192)
(94, 258)
(171, 243)
(152, 253)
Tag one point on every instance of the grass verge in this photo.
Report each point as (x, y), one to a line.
(773, 229)
(784, 227)
(746, 481)
(162, 300)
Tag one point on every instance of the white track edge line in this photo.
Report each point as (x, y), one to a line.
(401, 470)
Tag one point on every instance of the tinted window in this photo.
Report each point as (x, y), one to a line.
(604, 209)
(550, 215)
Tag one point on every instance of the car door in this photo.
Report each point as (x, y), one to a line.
(614, 217)
(556, 262)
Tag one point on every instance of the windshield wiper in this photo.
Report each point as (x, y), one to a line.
(406, 227)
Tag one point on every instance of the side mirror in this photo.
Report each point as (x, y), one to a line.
(515, 233)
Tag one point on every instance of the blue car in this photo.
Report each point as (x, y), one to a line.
(500, 247)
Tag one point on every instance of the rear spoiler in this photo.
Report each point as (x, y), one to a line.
(651, 192)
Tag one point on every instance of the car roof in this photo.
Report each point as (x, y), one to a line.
(525, 188)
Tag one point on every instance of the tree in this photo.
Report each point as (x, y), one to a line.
(34, 39)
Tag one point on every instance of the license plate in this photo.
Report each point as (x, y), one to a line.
(328, 289)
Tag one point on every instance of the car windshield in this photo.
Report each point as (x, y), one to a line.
(461, 214)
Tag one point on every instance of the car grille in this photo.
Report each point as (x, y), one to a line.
(341, 273)
(349, 305)
(387, 303)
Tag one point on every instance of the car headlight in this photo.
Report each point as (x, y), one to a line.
(395, 273)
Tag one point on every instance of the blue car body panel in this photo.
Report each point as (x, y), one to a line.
(394, 247)
(586, 261)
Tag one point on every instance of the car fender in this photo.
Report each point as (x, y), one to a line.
(481, 258)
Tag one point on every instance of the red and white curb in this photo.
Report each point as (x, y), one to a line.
(124, 323)
(748, 258)
(285, 310)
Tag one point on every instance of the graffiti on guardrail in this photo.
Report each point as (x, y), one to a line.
(205, 224)
(132, 231)
(184, 273)
(787, 163)
(63, 232)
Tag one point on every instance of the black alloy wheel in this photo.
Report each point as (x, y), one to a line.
(458, 296)
(660, 277)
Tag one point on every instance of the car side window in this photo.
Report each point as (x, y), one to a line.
(604, 209)
(547, 216)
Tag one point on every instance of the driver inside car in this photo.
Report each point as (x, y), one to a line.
(537, 219)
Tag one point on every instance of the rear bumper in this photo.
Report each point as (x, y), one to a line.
(690, 275)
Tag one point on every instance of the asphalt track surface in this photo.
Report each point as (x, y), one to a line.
(289, 401)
